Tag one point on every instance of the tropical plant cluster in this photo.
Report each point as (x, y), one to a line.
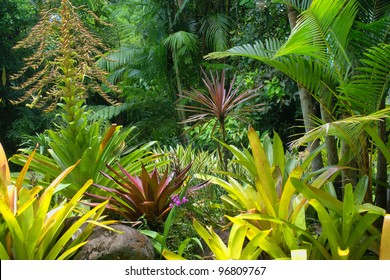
(217, 136)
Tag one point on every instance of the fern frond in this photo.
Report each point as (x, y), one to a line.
(106, 113)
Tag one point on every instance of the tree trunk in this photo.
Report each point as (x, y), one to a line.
(308, 111)
(331, 144)
(381, 172)
(306, 103)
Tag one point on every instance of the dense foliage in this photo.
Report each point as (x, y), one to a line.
(251, 129)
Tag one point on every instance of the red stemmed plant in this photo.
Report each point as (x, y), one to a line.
(218, 102)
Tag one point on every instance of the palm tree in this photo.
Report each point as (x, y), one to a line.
(167, 43)
(318, 56)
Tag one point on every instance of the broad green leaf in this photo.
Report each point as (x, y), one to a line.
(298, 216)
(361, 250)
(206, 236)
(17, 235)
(59, 245)
(328, 228)
(264, 182)
(278, 153)
(39, 219)
(268, 149)
(305, 164)
(378, 142)
(232, 202)
(243, 158)
(236, 241)
(25, 218)
(348, 213)
(71, 251)
(3, 253)
(272, 248)
(323, 251)
(368, 207)
(324, 198)
(213, 241)
(329, 188)
(185, 242)
(252, 250)
(361, 228)
(287, 195)
(55, 222)
(289, 237)
(91, 224)
(22, 174)
(360, 190)
(32, 197)
(324, 177)
(172, 256)
(40, 163)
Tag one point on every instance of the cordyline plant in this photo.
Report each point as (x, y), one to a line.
(148, 195)
(218, 103)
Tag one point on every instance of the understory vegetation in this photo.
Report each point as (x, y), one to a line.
(251, 129)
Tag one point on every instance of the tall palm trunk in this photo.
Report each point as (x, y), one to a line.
(306, 103)
(381, 172)
(331, 143)
(382, 199)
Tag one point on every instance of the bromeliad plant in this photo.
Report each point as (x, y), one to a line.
(277, 195)
(236, 249)
(148, 195)
(93, 148)
(29, 228)
(347, 227)
(265, 188)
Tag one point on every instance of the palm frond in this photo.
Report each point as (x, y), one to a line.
(182, 42)
(322, 31)
(371, 85)
(351, 130)
(366, 35)
(260, 51)
(215, 28)
(373, 10)
(314, 77)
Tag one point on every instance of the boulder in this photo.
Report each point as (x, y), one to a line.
(104, 244)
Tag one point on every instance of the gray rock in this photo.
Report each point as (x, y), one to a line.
(104, 244)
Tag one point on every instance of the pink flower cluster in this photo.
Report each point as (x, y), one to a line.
(176, 201)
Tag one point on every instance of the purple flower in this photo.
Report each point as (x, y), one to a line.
(176, 201)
